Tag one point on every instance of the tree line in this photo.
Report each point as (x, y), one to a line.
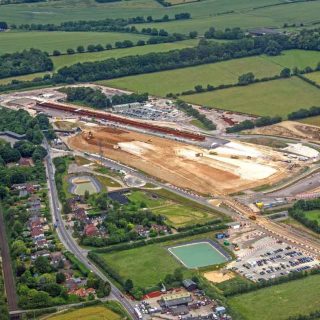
(189, 110)
(119, 24)
(25, 62)
(95, 98)
(304, 113)
(300, 212)
(228, 34)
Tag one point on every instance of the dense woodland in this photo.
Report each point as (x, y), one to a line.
(95, 98)
(228, 34)
(28, 61)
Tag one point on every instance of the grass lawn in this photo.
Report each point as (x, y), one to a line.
(315, 121)
(313, 215)
(88, 313)
(178, 214)
(178, 80)
(49, 41)
(280, 301)
(150, 201)
(148, 265)
(107, 182)
(315, 76)
(278, 97)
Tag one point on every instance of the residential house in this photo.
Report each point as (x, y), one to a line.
(142, 231)
(91, 230)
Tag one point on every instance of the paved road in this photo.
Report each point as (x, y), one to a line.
(9, 281)
(68, 241)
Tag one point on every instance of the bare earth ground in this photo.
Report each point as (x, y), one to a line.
(290, 129)
(177, 163)
(218, 276)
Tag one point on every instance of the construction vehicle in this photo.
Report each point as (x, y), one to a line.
(234, 157)
(88, 135)
(199, 154)
(253, 217)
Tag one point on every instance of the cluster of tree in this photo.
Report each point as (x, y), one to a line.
(249, 124)
(229, 34)
(95, 98)
(19, 1)
(61, 166)
(129, 98)
(106, 1)
(189, 110)
(27, 61)
(120, 225)
(300, 212)
(311, 316)
(88, 96)
(3, 25)
(22, 123)
(304, 113)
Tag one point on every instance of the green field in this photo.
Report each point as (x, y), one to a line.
(279, 302)
(67, 60)
(88, 313)
(177, 214)
(313, 215)
(205, 13)
(226, 72)
(148, 265)
(278, 97)
(49, 41)
(315, 76)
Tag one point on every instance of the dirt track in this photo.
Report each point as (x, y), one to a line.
(170, 161)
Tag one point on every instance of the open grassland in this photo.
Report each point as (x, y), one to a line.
(147, 199)
(226, 72)
(313, 215)
(218, 13)
(315, 76)
(314, 121)
(278, 97)
(49, 41)
(88, 313)
(149, 265)
(281, 301)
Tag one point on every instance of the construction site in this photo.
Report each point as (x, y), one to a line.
(222, 169)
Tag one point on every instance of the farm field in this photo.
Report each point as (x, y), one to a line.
(297, 58)
(176, 81)
(226, 72)
(143, 264)
(277, 97)
(88, 313)
(315, 76)
(49, 41)
(218, 13)
(288, 299)
(67, 60)
(313, 215)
